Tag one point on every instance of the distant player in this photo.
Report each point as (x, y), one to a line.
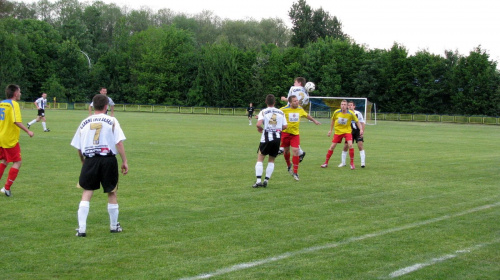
(355, 136)
(271, 122)
(11, 124)
(111, 104)
(298, 89)
(290, 136)
(341, 120)
(40, 104)
(250, 111)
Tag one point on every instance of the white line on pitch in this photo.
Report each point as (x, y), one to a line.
(418, 266)
(242, 266)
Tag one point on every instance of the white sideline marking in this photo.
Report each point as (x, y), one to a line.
(418, 266)
(242, 266)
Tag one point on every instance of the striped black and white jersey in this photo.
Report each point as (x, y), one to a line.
(274, 120)
(360, 117)
(41, 102)
(98, 135)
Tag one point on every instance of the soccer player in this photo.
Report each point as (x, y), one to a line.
(298, 89)
(355, 136)
(98, 139)
(111, 104)
(250, 111)
(40, 104)
(274, 123)
(11, 124)
(290, 136)
(341, 120)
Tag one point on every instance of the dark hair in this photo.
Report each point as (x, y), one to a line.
(291, 97)
(100, 101)
(301, 80)
(270, 100)
(10, 90)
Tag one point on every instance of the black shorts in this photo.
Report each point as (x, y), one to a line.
(41, 112)
(99, 170)
(355, 136)
(250, 115)
(270, 148)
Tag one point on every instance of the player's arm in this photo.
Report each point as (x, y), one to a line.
(259, 126)
(113, 110)
(331, 127)
(90, 110)
(313, 120)
(361, 128)
(21, 126)
(36, 105)
(121, 150)
(80, 155)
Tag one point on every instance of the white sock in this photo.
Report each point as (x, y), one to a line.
(44, 126)
(343, 157)
(259, 168)
(83, 212)
(269, 170)
(32, 122)
(300, 151)
(362, 156)
(113, 215)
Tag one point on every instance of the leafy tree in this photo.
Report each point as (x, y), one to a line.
(162, 63)
(309, 25)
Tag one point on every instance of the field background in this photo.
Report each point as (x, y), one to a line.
(429, 198)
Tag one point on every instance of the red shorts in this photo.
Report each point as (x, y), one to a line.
(11, 154)
(288, 140)
(338, 138)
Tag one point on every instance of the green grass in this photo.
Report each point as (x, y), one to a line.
(187, 208)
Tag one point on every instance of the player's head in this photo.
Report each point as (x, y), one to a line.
(251, 104)
(343, 105)
(299, 82)
(13, 92)
(351, 105)
(294, 101)
(270, 100)
(103, 90)
(100, 101)
(44, 95)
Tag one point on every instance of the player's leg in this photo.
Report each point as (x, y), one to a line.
(302, 154)
(351, 152)
(295, 143)
(336, 139)
(44, 124)
(114, 225)
(343, 156)
(83, 213)
(361, 152)
(33, 121)
(259, 169)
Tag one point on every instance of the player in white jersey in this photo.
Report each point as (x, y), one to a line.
(274, 122)
(111, 104)
(300, 91)
(41, 104)
(355, 136)
(98, 139)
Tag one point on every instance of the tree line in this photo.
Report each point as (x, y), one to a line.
(70, 49)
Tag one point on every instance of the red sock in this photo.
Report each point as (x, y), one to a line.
(12, 177)
(328, 155)
(351, 155)
(287, 158)
(2, 169)
(296, 161)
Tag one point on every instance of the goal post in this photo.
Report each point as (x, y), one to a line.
(324, 106)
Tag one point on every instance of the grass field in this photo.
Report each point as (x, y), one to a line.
(427, 206)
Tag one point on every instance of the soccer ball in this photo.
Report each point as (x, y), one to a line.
(310, 86)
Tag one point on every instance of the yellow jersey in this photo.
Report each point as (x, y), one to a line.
(343, 121)
(293, 118)
(10, 113)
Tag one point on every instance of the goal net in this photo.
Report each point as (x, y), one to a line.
(323, 107)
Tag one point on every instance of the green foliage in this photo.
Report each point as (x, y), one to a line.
(163, 57)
